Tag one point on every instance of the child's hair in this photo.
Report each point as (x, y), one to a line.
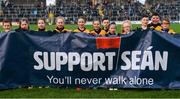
(60, 17)
(155, 14)
(82, 18)
(6, 21)
(144, 16)
(96, 19)
(167, 20)
(105, 18)
(112, 23)
(41, 19)
(126, 21)
(23, 20)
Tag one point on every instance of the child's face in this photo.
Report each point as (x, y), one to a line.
(105, 23)
(145, 21)
(165, 25)
(60, 23)
(112, 29)
(41, 24)
(24, 25)
(81, 23)
(155, 19)
(96, 25)
(126, 27)
(6, 26)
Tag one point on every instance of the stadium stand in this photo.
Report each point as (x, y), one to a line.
(116, 12)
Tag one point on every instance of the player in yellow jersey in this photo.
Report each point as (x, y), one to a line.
(155, 22)
(81, 26)
(97, 28)
(60, 22)
(166, 26)
(105, 24)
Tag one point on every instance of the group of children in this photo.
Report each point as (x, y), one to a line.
(106, 29)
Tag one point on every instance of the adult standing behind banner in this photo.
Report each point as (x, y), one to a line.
(81, 25)
(144, 23)
(41, 25)
(155, 22)
(23, 25)
(60, 22)
(126, 27)
(166, 26)
(97, 28)
(6, 25)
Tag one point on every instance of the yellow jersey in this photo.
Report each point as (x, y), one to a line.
(99, 32)
(85, 30)
(63, 30)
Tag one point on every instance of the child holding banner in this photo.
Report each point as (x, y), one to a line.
(6, 25)
(126, 27)
(105, 24)
(23, 25)
(155, 22)
(112, 30)
(81, 25)
(41, 25)
(60, 22)
(97, 28)
(166, 27)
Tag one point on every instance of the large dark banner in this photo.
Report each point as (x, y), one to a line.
(141, 59)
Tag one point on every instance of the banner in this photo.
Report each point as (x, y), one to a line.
(141, 59)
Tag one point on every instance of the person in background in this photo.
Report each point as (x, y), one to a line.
(166, 27)
(97, 28)
(7, 25)
(51, 17)
(112, 29)
(41, 25)
(105, 24)
(155, 22)
(126, 27)
(81, 25)
(60, 22)
(23, 25)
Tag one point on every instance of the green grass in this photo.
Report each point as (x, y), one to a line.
(89, 93)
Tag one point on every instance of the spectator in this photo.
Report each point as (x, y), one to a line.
(105, 3)
(101, 10)
(60, 25)
(6, 25)
(97, 29)
(81, 25)
(51, 17)
(126, 27)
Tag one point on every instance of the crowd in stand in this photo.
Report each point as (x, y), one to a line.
(128, 10)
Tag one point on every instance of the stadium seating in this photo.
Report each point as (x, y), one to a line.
(71, 12)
